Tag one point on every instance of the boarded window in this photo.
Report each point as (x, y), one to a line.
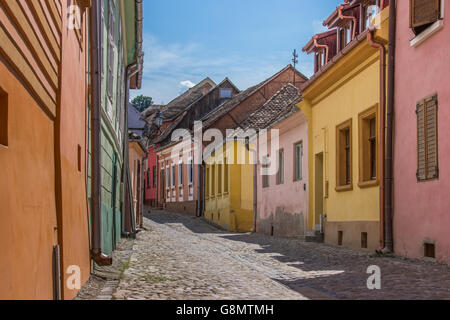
(427, 139)
(424, 12)
(3, 118)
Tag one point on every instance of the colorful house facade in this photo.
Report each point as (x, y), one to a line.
(43, 138)
(235, 210)
(136, 158)
(282, 195)
(422, 110)
(179, 161)
(344, 103)
(119, 60)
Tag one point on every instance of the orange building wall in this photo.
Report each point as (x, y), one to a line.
(74, 225)
(42, 190)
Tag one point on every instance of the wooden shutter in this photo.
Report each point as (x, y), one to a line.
(423, 12)
(420, 111)
(431, 137)
(427, 142)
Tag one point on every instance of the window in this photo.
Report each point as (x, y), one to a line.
(208, 182)
(180, 174)
(154, 177)
(191, 171)
(364, 240)
(368, 147)
(225, 93)
(79, 158)
(173, 176)
(320, 60)
(424, 13)
(219, 178)
(148, 179)
(225, 177)
(298, 161)
(213, 180)
(111, 49)
(344, 156)
(167, 177)
(427, 139)
(3, 118)
(280, 174)
(345, 36)
(370, 11)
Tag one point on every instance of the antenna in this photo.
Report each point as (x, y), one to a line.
(295, 61)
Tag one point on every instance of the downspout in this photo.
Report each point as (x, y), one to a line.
(327, 48)
(382, 115)
(96, 60)
(389, 246)
(355, 21)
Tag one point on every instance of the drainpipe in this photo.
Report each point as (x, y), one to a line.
(96, 60)
(382, 113)
(355, 21)
(327, 48)
(389, 247)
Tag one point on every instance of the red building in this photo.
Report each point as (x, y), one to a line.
(151, 178)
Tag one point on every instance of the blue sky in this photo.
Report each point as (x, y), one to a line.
(245, 40)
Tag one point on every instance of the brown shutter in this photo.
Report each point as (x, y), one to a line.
(431, 138)
(421, 163)
(423, 12)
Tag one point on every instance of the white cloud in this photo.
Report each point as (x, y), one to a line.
(167, 67)
(187, 83)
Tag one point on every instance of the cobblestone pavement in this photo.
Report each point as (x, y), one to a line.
(182, 257)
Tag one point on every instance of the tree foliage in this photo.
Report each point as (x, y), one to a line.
(141, 103)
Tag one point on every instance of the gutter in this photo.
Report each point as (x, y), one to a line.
(355, 21)
(95, 36)
(382, 139)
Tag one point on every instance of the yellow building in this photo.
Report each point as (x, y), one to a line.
(229, 187)
(342, 104)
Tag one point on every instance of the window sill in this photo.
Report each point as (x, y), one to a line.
(344, 188)
(427, 33)
(368, 184)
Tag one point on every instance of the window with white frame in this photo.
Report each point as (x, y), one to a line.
(191, 171)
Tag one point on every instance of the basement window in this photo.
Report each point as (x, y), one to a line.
(429, 250)
(364, 243)
(340, 237)
(3, 118)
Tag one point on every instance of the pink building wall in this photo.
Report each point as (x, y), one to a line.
(150, 190)
(285, 207)
(421, 210)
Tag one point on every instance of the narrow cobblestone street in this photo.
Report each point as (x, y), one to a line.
(181, 257)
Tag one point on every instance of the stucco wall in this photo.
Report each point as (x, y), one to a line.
(284, 207)
(421, 210)
(74, 218)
